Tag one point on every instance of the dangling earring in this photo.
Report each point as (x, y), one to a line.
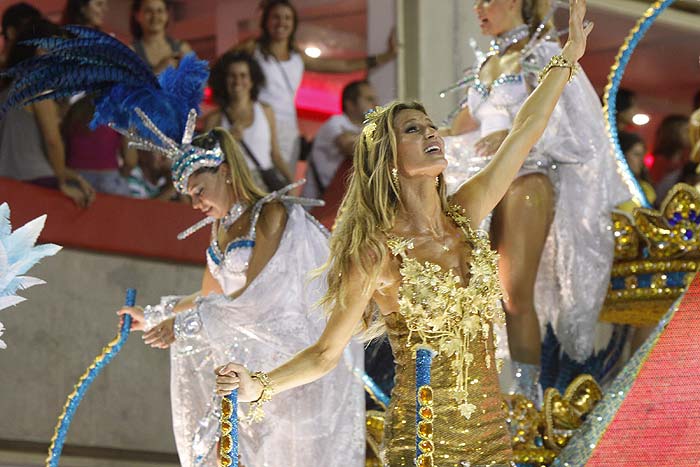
(437, 182)
(395, 178)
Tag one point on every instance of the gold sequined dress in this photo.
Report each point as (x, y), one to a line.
(437, 311)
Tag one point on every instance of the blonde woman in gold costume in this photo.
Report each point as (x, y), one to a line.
(402, 245)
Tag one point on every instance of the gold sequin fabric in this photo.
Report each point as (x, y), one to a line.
(435, 309)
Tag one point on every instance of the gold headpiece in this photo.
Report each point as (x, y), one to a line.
(370, 123)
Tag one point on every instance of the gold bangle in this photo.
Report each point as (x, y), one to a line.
(256, 412)
(558, 61)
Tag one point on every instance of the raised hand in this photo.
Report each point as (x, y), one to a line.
(578, 31)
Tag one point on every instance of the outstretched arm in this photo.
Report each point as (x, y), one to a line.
(483, 192)
(339, 65)
(311, 363)
(161, 335)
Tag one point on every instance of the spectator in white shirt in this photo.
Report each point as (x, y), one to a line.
(335, 140)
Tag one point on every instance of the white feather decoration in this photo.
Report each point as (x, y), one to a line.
(18, 253)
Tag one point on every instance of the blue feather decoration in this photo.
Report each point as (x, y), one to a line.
(92, 61)
(186, 81)
(114, 50)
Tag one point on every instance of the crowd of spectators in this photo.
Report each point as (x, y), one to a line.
(50, 143)
(666, 161)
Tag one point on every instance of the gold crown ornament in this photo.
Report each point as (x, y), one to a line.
(656, 257)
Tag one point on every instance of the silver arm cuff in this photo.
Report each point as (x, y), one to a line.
(156, 314)
(187, 324)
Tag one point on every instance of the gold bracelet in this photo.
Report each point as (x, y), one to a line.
(256, 412)
(558, 61)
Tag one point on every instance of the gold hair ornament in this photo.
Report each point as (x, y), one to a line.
(370, 123)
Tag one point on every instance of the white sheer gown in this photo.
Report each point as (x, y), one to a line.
(577, 156)
(321, 423)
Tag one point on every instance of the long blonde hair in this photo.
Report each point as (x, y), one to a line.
(368, 211)
(242, 182)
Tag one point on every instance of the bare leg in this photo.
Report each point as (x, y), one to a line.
(519, 229)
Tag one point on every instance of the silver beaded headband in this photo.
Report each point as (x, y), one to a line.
(192, 159)
(186, 158)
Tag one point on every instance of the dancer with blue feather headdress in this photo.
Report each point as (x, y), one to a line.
(256, 302)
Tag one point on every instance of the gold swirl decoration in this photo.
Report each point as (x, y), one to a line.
(656, 257)
(564, 414)
(226, 440)
(527, 430)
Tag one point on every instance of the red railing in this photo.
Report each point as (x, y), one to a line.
(112, 224)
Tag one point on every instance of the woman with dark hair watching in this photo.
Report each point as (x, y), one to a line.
(31, 147)
(671, 147)
(283, 64)
(90, 13)
(14, 17)
(148, 24)
(236, 80)
(626, 105)
(634, 149)
(95, 154)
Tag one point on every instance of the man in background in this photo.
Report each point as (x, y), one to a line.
(335, 140)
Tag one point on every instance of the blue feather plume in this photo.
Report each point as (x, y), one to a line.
(94, 62)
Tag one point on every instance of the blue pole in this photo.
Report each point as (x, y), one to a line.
(424, 407)
(75, 397)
